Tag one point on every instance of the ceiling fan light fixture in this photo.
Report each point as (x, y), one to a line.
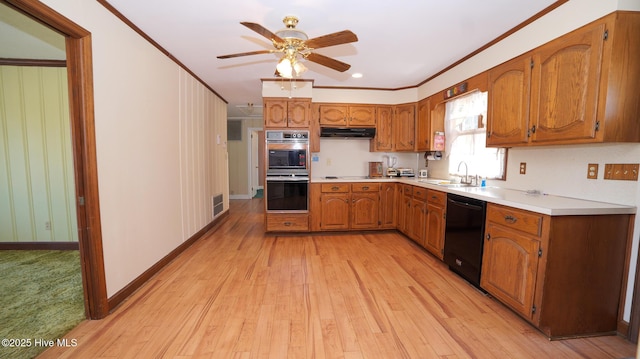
(284, 68)
(299, 68)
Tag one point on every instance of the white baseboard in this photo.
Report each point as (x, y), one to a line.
(239, 196)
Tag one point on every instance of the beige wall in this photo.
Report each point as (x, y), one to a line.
(160, 145)
(37, 193)
(239, 160)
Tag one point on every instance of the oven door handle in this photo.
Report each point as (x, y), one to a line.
(287, 179)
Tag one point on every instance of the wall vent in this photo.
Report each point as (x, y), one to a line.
(218, 205)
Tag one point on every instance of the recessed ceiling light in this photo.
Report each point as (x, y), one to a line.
(357, 75)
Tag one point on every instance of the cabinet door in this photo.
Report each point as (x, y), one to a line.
(423, 128)
(404, 126)
(364, 210)
(509, 267)
(362, 115)
(334, 209)
(418, 226)
(508, 103)
(434, 241)
(298, 113)
(387, 205)
(564, 87)
(275, 113)
(404, 217)
(384, 135)
(333, 115)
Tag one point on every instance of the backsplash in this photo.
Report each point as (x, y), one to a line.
(351, 157)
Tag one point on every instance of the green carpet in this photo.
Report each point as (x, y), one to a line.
(40, 298)
(259, 193)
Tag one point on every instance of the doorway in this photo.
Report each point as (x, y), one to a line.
(80, 79)
(256, 162)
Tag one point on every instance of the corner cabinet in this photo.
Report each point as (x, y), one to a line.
(560, 273)
(569, 90)
(287, 113)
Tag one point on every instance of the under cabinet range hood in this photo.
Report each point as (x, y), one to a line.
(364, 133)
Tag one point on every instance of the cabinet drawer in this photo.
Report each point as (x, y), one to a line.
(335, 187)
(524, 221)
(420, 193)
(296, 222)
(437, 197)
(407, 190)
(365, 187)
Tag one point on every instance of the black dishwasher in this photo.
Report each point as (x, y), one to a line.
(464, 236)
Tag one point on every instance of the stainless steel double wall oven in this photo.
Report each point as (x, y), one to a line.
(288, 165)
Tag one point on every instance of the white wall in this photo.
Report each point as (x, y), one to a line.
(158, 157)
(351, 157)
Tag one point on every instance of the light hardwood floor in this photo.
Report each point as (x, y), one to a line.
(241, 293)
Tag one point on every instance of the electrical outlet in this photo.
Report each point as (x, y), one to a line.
(47, 225)
(592, 171)
(328, 161)
(523, 168)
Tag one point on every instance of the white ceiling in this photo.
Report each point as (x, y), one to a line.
(399, 45)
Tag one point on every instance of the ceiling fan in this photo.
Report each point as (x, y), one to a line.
(295, 44)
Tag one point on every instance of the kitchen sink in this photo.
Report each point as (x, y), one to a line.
(455, 185)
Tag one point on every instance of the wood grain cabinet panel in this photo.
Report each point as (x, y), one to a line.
(388, 206)
(383, 140)
(287, 113)
(508, 102)
(562, 273)
(347, 115)
(348, 206)
(436, 209)
(574, 89)
(510, 267)
(404, 127)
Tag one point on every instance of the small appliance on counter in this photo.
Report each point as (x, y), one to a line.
(375, 169)
(392, 172)
(423, 173)
(406, 172)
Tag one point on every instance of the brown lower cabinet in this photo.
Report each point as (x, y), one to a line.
(345, 206)
(562, 273)
(436, 210)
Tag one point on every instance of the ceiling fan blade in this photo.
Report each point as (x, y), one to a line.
(246, 54)
(262, 31)
(337, 38)
(328, 62)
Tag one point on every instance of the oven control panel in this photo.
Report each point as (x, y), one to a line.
(287, 135)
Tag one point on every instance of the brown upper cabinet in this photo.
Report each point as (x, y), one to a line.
(283, 113)
(395, 128)
(579, 88)
(347, 115)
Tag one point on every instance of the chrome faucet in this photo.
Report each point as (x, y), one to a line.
(466, 172)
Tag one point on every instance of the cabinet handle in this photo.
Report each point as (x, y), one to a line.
(346, 200)
(365, 188)
(353, 201)
(335, 188)
(510, 219)
(533, 129)
(488, 236)
(287, 224)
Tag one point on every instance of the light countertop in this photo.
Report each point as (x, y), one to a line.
(539, 203)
